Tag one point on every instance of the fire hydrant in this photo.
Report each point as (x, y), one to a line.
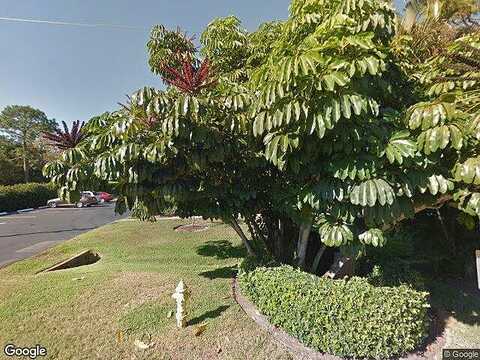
(181, 296)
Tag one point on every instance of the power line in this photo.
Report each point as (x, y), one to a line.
(65, 23)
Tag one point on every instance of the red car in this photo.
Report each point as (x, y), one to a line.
(103, 196)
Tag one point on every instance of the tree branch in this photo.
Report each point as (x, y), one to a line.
(240, 233)
(419, 208)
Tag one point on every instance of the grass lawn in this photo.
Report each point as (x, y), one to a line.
(98, 311)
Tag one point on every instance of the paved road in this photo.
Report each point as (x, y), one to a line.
(27, 234)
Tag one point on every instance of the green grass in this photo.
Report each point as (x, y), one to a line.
(99, 310)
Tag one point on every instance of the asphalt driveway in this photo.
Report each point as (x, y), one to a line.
(27, 234)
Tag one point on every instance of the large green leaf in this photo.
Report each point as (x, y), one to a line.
(372, 237)
(378, 215)
(469, 171)
(335, 79)
(399, 147)
(335, 234)
(439, 137)
(428, 115)
(371, 192)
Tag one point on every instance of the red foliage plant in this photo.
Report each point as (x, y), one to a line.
(66, 139)
(189, 78)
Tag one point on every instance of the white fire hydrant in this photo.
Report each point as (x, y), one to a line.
(181, 296)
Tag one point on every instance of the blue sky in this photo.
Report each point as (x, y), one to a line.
(75, 73)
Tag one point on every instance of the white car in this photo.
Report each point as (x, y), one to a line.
(92, 194)
(86, 199)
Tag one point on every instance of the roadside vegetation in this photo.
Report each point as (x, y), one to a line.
(99, 310)
(23, 152)
(320, 133)
(23, 196)
(336, 144)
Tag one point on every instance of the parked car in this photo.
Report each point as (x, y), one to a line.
(91, 194)
(86, 199)
(103, 196)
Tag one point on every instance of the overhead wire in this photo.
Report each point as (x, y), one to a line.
(66, 23)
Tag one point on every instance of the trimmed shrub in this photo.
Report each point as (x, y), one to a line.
(348, 318)
(22, 196)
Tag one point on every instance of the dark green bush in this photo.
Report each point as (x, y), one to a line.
(420, 245)
(168, 207)
(349, 318)
(250, 263)
(396, 273)
(22, 196)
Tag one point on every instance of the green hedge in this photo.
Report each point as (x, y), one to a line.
(348, 318)
(23, 196)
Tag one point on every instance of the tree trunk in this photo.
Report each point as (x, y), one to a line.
(281, 243)
(318, 257)
(303, 236)
(445, 232)
(240, 233)
(25, 161)
(260, 236)
(259, 233)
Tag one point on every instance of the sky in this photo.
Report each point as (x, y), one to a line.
(74, 73)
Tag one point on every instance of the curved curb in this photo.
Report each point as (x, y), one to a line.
(302, 352)
(21, 211)
(299, 350)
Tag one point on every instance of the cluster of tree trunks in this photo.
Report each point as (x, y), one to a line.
(287, 242)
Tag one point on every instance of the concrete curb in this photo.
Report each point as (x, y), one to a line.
(25, 210)
(21, 211)
(161, 218)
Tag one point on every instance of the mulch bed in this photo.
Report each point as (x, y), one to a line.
(191, 227)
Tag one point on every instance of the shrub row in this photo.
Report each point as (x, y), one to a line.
(22, 196)
(347, 318)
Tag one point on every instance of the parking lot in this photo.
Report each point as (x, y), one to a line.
(27, 234)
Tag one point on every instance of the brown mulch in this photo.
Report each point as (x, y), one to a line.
(191, 227)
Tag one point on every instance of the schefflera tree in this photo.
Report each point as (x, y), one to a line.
(332, 108)
(446, 124)
(322, 115)
(189, 144)
(298, 128)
